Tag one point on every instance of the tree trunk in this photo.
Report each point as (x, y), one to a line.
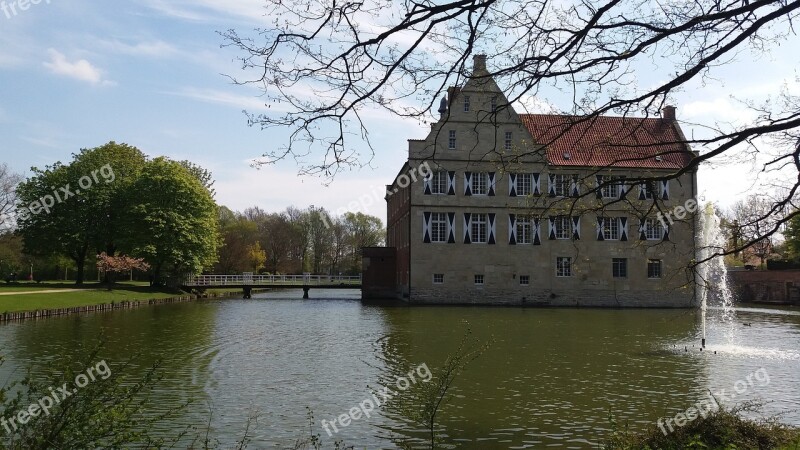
(80, 262)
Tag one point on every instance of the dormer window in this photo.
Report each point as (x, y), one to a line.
(566, 155)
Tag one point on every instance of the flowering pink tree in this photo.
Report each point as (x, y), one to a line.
(119, 264)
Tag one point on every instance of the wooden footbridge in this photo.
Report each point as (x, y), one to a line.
(249, 281)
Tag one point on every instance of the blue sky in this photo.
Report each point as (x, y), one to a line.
(77, 74)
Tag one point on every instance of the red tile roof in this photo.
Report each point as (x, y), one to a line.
(606, 141)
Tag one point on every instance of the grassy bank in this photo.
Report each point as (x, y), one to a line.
(69, 295)
(726, 429)
(91, 294)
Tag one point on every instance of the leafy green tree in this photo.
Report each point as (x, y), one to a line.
(63, 228)
(172, 220)
(792, 235)
(74, 210)
(112, 168)
(320, 237)
(363, 231)
(11, 256)
(203, 175)
(238, 233)
(257, 256)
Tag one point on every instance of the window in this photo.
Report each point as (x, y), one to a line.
(507, 144)
(653, 268)
(611, 190)
(563, 184)
(478, 280)
(524, 184)
(480, 183)
(439, 182)
(438, 278)
(524, 280)
(619, 267)
(466, 103)
(651, 189)
(438, 227)
(451, 142)
(563, 227)
(494, 103)
(653, 230)
(479, 231)
(611, 229)
(524, 230)
(563, 266)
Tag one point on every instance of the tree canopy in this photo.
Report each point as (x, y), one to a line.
(112, 198)
(172, 219)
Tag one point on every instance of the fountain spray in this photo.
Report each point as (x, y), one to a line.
(712, 274)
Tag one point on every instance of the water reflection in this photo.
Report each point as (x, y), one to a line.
(550, 378)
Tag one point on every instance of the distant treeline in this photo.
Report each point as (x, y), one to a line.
(295, 241)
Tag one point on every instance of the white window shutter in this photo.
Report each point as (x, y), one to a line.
(492, 228)
(600, 220)
(512, 229)
(426, 227)
(451, 183)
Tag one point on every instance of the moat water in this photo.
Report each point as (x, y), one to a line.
(550, 377)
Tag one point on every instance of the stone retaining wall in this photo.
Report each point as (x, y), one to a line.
(576, 298)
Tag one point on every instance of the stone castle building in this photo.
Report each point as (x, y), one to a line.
(533, 209)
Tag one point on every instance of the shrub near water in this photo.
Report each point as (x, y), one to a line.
(105, 413)
(722, 429)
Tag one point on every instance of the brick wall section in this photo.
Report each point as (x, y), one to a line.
(766, 286)
(379, 272)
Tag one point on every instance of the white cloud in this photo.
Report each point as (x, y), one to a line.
(720, 109)
(157, 49)
(210, 10)
(81, 69)
(224, 98)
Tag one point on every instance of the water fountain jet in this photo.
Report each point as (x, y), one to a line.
(712, 276)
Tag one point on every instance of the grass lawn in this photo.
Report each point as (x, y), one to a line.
(90, 294)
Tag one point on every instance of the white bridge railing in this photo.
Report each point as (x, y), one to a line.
(277, 280)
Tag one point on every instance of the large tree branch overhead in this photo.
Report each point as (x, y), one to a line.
(323, 65)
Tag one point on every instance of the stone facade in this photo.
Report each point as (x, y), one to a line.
(508, 214)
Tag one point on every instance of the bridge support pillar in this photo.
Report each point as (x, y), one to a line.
(305, 292)
(248, 292)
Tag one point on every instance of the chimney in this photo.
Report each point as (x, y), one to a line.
(479, 64)
(668, 113)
